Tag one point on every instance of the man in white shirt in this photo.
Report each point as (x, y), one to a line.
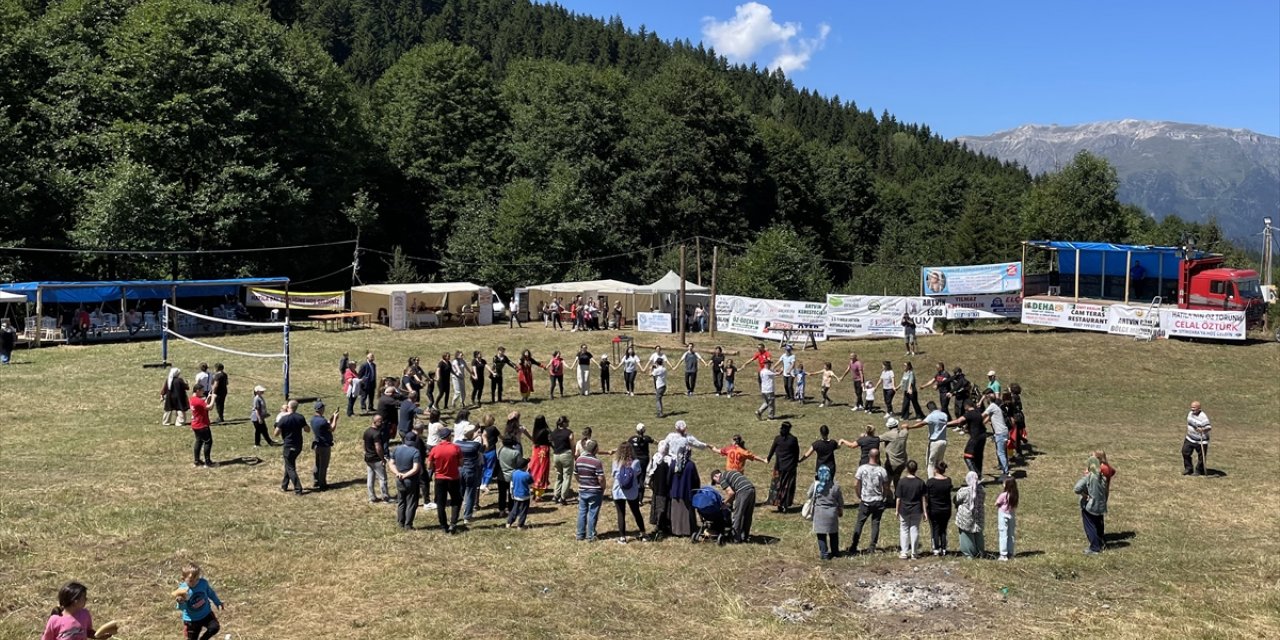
(659, 373)
(871, 483)
(788, 363)
(1197, 440)
(937, 423)
(767, 375)
(993, 416)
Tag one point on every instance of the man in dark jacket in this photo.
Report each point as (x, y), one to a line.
(368, 373)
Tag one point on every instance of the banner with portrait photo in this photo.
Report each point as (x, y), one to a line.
(972, 279)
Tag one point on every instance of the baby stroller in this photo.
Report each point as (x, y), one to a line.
(713, 516)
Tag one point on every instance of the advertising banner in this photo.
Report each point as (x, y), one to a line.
(274, 299)
(1223, 325)
(970, 280)
(653, 322)
(1067, 315)
(998, 306)
(399, 311)
(863, 316)
(1124, 320)
(763, 318)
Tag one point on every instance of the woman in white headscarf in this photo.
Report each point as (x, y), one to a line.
(175, 398)
(969, 515)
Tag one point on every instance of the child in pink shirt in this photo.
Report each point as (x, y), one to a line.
(70, 620)
(1007, 517)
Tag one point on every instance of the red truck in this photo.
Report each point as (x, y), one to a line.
(1207, 284)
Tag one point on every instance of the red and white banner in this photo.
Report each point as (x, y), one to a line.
(274, 299)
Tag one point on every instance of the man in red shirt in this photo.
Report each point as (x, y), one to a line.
(444, 461)
(200, 427)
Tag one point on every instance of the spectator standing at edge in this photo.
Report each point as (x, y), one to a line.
(219, 384)
(1197, 440)
(408, 464)
(322, 444)
(290, 427)
(368, 373)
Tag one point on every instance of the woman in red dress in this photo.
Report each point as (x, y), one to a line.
(524, 372)
(540, 463)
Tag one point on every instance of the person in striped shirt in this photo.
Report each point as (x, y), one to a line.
(590, 473)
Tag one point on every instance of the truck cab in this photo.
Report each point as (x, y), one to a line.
(1226, 289)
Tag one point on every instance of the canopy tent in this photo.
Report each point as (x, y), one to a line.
(420, 297)
(121, 291)
(670, 283)
(610, 290)
(6, 298)
(117, 290)
(1104, 270)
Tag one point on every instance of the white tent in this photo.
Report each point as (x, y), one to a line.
(670, 283)
(583, 286)
(14, 298)
(439, 299)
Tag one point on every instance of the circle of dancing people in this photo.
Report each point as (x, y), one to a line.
(456, 461)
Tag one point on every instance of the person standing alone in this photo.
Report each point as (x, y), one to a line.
(219, 384)
(321, 444)
(1197, 440)
(290, 428)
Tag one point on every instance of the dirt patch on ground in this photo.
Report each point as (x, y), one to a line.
(914, 600)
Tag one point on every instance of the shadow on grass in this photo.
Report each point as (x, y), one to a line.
(1028, 554)
(1215, 473)
(1112, 538)
(343, 484)
(503, 525)
(248, 461)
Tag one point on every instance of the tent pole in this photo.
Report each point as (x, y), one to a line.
(39, 314)
(1102, 277)
(1128, 266)
(1160, 277)
(680, 307)
(715, 253)
(1076, 293)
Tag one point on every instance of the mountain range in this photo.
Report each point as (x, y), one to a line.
(1194, 171)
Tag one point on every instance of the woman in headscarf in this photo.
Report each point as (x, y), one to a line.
(969, 515)
(684, 481)
(524, 373)
(540, 463)
(828, 507)
(175, 398)
(785, 454)
(1092, 489)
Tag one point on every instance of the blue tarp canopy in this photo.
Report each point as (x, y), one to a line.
(114, 290)
(1157, 261)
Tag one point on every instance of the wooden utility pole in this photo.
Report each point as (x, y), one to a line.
(680, 310)
(697, 256)
(715, 250)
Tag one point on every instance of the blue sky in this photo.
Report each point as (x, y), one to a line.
(971, 68)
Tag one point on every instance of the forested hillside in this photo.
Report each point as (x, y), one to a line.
(504, 142)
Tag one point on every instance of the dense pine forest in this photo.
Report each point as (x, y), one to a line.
(497, 141)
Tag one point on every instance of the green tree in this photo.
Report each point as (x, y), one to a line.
(437, 114)
(400, 270)
(778, 264)
(1077, 203)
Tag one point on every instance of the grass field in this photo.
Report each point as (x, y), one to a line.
(92, 488)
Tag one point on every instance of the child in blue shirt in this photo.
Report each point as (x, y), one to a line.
(521, 491)
(196, 600)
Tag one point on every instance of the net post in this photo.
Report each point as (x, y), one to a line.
(286, 361)
(164, 332)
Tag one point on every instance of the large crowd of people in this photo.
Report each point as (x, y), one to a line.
(421, 434)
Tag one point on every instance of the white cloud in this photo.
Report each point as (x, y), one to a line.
(752, 29)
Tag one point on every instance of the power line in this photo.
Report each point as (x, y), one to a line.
(174, 253)
(540, 263)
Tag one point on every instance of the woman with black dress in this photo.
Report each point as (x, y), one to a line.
(937, 507)
(786, 450)
(478, 367)
(175, 398)
(444, 370)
